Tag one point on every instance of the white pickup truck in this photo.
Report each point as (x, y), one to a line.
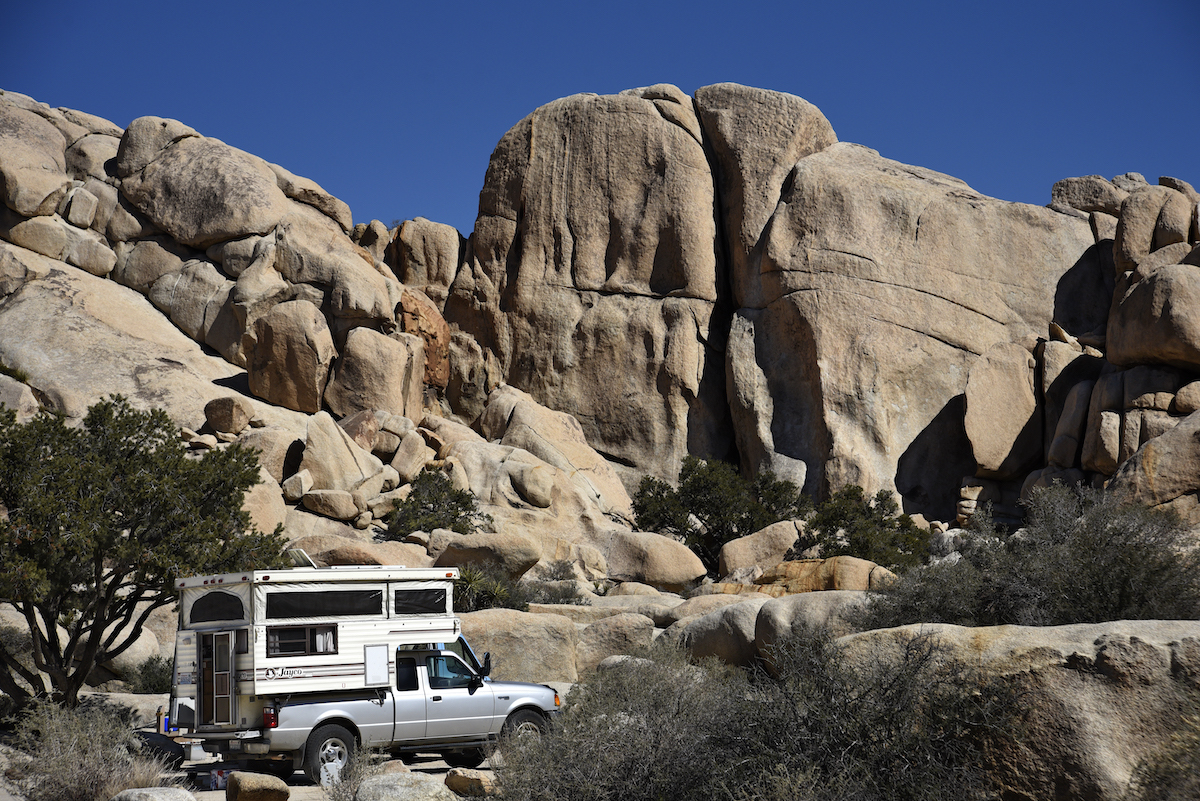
(299, 668)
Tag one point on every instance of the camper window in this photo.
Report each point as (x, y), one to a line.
(324, 603)
(301, 640)
(420, 602)
(216, 606)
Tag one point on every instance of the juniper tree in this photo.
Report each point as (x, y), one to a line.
(99, 520)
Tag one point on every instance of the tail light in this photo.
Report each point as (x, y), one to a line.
(270, 717)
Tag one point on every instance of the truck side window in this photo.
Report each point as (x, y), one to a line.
(406, 673)
(446, 673)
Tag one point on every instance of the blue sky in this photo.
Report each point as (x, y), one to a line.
(396, 107)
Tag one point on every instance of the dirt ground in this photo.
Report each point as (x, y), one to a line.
(301, 788)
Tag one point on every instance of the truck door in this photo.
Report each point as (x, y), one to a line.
(216, 678)
(410, 701)
(456, 704)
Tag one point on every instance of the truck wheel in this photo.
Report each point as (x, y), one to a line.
(328, 745)
(466, 758)
(525, 723)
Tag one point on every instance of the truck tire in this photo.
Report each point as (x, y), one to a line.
(465, 758)
(525, 723)
(328, 745)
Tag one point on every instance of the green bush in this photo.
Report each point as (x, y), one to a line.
(909, 726)
(89, 753)
(1083, 557)
(714, 505)
(435, 503)
(850, 524)
(485, 586)
(153, 676)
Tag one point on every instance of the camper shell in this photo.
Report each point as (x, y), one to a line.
(299, 667)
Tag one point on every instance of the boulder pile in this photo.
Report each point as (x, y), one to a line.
(651, 275)
(1110, 406)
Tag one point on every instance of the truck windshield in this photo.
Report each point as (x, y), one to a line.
(463, 649)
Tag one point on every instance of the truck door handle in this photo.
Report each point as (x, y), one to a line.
(437, 698)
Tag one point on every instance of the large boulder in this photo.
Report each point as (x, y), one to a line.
(1157, 320)
(516, 419)
(781, 619)
(876, 287)
(624, 633)
(333, 459)
(292, 356)
(247, 786)
(1165, 468)
(426, 256)
(108, 339)
(511, 552)
(1003, 421)
(201, 190)
(764, 548)
(727, 634)
(308, 192)
(404, 787)
(416, 314)
(33, 170)
(756, 137)
(312, 249)
(835, 573)
(1096, 699)
(524, 646)
(651, 559)
(593, 277)
(376, 371)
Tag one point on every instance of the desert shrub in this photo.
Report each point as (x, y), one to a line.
(902, 726)
(714, 505)
(850, 524)
(153, 676)
(89, 753)
(1172, 774)
(435, 503)
(487, 586)
(653, 727)
(1083, 557)
(365, 765)
(555, 592)
(559, 570)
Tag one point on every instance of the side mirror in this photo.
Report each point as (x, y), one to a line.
(487, 664)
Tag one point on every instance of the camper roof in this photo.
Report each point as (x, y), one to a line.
(363, 573)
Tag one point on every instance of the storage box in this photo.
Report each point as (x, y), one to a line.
(217, 779)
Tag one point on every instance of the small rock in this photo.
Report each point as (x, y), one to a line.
(230, 414)
(244, 786)
(472, 783)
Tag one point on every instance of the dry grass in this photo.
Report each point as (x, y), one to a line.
(86, 754)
